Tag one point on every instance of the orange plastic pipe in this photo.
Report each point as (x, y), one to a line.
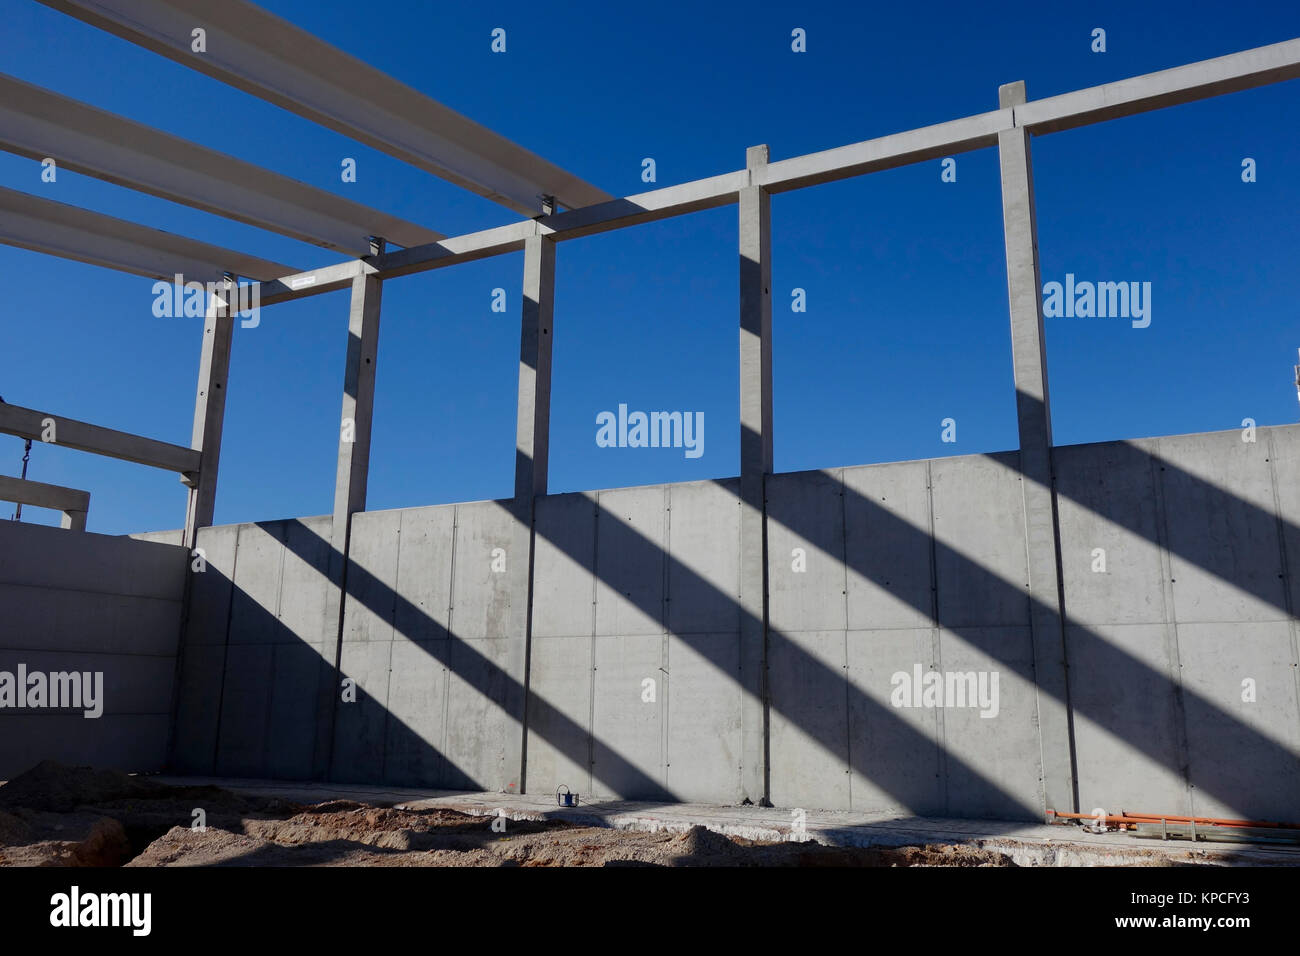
(1169, 818)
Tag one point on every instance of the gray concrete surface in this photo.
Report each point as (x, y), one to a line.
(89, 603)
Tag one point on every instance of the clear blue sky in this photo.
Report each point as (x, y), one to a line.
(905, 278)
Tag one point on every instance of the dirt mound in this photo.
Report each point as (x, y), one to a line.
(54, 787)
(30, 838)
(700, 845)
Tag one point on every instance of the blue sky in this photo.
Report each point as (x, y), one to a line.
(906, 320)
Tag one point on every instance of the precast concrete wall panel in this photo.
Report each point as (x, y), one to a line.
(1241, 753)
(631, 542)
(979, 531)
(484, 622)
(1284, 445)
(805, 536)
(559, 714)
(998, 775)
(1120, 639)
(561, 676)
(477, 726)
(703, 572)
(424, 571)
(1128, 720)
(245, 702)
(888, 549)
(628, 744)
(361, 725)
(417, 707)
(895, 759)
(564, 573)
(809, 728)
(94, 605)
(255, 604)
(1223, 536)
(373, 554)
(808, 719)
(703, 716)
(481, 594)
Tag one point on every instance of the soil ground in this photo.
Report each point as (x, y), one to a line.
(78, 816)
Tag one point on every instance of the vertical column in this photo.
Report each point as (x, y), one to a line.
(755, 465)
(210, 411)
(350, 482)
(532, 453)
(533, 426)
(1033, 413)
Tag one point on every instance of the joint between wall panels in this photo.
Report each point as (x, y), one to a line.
(1292, 622)
(1173, 654)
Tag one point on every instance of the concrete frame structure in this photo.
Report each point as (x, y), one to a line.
(1009, 128)
(74, 504)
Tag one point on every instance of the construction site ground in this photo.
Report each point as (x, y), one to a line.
(63, 816)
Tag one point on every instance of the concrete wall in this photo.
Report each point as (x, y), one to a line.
(1198, 595)
(905, 565)
(426, 630)
(253, 661)
(72, 601)
(632, 586)
(873, 572)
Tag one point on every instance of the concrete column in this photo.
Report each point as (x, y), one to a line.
(532, 452)
(755, 465)
(1033, 412)
(210, 412)
(533, 425)
(349, 487)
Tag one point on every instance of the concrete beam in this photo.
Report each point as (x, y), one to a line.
(1152, 91)
(37, 123)
(70, 433)
(755, 466)
(301, 285)
(74, 504)
(1209, 78)
(1038, 489)
(886, 152)
(209, 414)
(259, 53)
(58, 229)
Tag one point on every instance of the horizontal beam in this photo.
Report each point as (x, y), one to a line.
(261, 54)
(885, 152)
(1239, 71)
(40, 495)
(300, 285)
(70, 433)
(604, 217)
(37, 123)
(1152, 91)
(58, 229)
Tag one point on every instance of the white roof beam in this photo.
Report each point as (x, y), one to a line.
(259, 53)
(58, 229)
(37, 123)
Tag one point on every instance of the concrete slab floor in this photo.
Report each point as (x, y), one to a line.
(1027, 844)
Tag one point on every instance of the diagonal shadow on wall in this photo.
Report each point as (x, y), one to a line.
(979, 793)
